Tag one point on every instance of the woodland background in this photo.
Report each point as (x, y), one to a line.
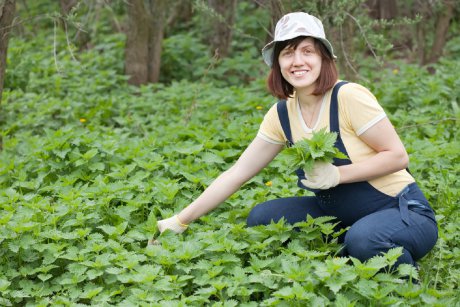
(117, 113)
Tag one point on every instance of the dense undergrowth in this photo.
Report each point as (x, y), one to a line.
(89, 164)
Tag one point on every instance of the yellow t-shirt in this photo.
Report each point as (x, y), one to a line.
(358, 111)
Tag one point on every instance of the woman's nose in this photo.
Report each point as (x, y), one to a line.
(297, 59)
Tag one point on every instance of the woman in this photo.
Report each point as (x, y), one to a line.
(372, 192)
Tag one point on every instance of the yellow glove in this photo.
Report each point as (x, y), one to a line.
(323, 176)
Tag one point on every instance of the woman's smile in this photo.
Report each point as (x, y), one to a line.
(299, 73)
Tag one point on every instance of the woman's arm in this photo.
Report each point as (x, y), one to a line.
(391, 155)
(256, 156)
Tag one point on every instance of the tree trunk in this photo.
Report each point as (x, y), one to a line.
(181, 12)
(67, 6)
(421, 46)
(382, 9)
(136, 53)
(158, 19)
(7, 11)
(144, 41)
(442, 27)
(222, 27)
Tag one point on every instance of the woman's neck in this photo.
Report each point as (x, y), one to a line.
(305, 96)
(308, 100)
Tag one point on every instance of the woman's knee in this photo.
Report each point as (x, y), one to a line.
(357, 245)
(253, 217)
(258, 216)
(364, 245)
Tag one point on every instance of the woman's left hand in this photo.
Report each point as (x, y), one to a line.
(323, 176)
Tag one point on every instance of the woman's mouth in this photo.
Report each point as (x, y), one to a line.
(299, 73)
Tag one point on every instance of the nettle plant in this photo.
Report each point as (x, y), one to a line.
(319, 148)
(89, 164)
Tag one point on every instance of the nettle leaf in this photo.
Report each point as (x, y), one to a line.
(91, 291)
(293, 158)
(4, 284)
(188, 148)
(206, 292)
(364, 270)
(209, 157)
(286, 293)
(149, 272)
(92, 274)
(320, 147)
(115, 270)
(98, 166)
(90, 154)
(14, 246)
(44, 277)
(112, 230)
(393, 254)
(259, 264)
(377, 262)
(153, 162)
(125, 211)
(408, 270)
(342, 301)
(189, 250)
(338, 282)
(366, 287)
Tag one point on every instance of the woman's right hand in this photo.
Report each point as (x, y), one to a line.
(173, 224)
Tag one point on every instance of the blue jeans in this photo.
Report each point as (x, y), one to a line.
(371, 234)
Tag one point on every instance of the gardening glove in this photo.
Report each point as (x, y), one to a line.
(173, 224)
(323, 176)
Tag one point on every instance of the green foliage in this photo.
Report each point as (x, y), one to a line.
(89, 164)
(319, 148)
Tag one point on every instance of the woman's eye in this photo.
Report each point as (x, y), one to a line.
(287, 52)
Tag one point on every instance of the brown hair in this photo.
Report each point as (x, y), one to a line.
(282, 89)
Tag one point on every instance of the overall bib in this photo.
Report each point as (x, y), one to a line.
(407, 216)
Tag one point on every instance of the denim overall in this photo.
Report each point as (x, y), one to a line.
(407, 216)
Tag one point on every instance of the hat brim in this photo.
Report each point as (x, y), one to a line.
(267, 50)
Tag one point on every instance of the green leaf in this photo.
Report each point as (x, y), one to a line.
(209, 157)
(91, 291)
(320, 147)
(188, 148)
(4, 284)
(90, 154)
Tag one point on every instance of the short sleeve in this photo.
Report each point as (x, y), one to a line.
(361, 108)
(270, 129)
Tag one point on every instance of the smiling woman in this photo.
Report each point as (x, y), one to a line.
(370, 193)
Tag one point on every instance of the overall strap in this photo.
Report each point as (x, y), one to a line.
(334, 111)
(334, 125)
(284, 120)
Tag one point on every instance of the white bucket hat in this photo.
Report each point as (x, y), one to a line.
(293, 25)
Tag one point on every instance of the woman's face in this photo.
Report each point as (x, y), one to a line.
(301, 66)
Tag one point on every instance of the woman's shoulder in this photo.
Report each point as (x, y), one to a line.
(354, 90)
